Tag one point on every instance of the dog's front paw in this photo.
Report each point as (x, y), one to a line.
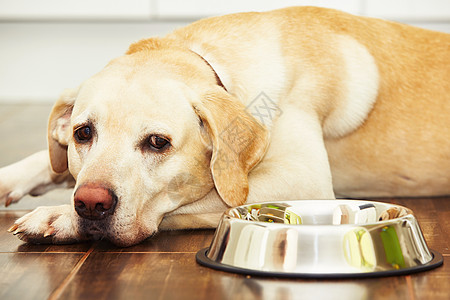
(47, 225)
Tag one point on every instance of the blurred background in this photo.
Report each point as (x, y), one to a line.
(49, 45)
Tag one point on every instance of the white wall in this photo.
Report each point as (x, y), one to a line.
(39, 59)
(48, 45)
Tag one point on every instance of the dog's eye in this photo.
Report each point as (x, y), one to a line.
(157, 142)
(83, 134)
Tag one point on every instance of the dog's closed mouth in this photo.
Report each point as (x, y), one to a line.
(92, 230)
(94, 233)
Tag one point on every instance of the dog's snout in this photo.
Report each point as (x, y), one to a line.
(94, 202)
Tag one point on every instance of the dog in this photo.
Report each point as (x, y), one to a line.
(296, 103)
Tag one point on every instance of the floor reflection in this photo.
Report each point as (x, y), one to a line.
(260, 288)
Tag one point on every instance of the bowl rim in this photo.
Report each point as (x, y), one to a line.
(261, 223)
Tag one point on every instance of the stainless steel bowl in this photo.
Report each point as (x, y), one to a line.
(319, 238)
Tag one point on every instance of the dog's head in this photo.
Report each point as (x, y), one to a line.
(150, 133)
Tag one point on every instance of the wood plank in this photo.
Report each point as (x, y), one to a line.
(177, 276)
(8, 242)
(262, 288)
(187, 241)
(433, 215)
(433, 284)
(145, 276)
(34, 275)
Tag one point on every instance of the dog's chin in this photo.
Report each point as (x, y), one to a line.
(128, 239)
(94, 233)
(93, 230)
(104, 230)
(123, 243)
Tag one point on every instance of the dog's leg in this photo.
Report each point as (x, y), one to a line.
(188, 221)
(296, 164)
(203, 213)
(32, 175)
(48, 224)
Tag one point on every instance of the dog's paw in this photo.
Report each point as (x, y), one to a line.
(47, 225)
(393, 213)
(31, 175)
(11, 189)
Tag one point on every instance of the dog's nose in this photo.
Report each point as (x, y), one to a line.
(94, 202)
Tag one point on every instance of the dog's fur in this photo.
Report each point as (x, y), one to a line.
(359, 107)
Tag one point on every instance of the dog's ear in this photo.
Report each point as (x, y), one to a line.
(59, 131)
(239, 142)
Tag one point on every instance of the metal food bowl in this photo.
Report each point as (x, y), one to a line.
(319, 239)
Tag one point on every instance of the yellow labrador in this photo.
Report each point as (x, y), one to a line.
(297, 103)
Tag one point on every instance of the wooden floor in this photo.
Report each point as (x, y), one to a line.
(164, 266)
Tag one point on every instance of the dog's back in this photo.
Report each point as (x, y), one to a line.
(383, 88)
